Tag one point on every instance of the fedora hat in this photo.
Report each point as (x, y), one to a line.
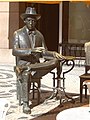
(30, 12)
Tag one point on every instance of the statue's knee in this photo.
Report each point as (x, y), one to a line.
(25, 76)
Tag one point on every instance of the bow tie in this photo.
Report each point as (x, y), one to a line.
(32, 32)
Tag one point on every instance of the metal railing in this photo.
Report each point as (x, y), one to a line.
(73, 49)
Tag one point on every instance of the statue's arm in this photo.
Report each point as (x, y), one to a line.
(52, 54)
(17, 51)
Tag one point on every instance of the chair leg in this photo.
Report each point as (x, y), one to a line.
(20, 92)
(85, 91)
(38, 90)
(81, 90)
(38, 98)
(33, 90)
(53, 78)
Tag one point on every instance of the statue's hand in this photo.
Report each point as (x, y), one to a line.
(58, 56)
(38, 49)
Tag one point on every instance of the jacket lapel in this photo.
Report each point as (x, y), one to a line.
(26, 37)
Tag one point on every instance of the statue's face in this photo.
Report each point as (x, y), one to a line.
(30, 23)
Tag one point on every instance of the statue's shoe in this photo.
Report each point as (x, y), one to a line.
(26, 109)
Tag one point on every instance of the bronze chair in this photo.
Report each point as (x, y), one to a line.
(83, 78)
(19, 84)
(33, 80)
(86, 75)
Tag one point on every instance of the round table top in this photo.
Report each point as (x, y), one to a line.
(77, 113)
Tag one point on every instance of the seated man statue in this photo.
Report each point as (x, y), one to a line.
(28, 47)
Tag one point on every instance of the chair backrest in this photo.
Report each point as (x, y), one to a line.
(87, 57)
(87, 53)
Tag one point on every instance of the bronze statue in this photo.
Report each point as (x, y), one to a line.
(28, 47)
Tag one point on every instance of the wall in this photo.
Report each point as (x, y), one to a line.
(4, 23)
(9, 22)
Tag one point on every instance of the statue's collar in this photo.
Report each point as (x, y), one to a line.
(31, 32)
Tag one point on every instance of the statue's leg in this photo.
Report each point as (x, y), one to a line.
(44, 68)
(25, 92)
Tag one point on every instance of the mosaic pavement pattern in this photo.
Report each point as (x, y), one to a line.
(8, 92)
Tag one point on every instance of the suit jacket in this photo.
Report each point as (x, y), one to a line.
(22, 47)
